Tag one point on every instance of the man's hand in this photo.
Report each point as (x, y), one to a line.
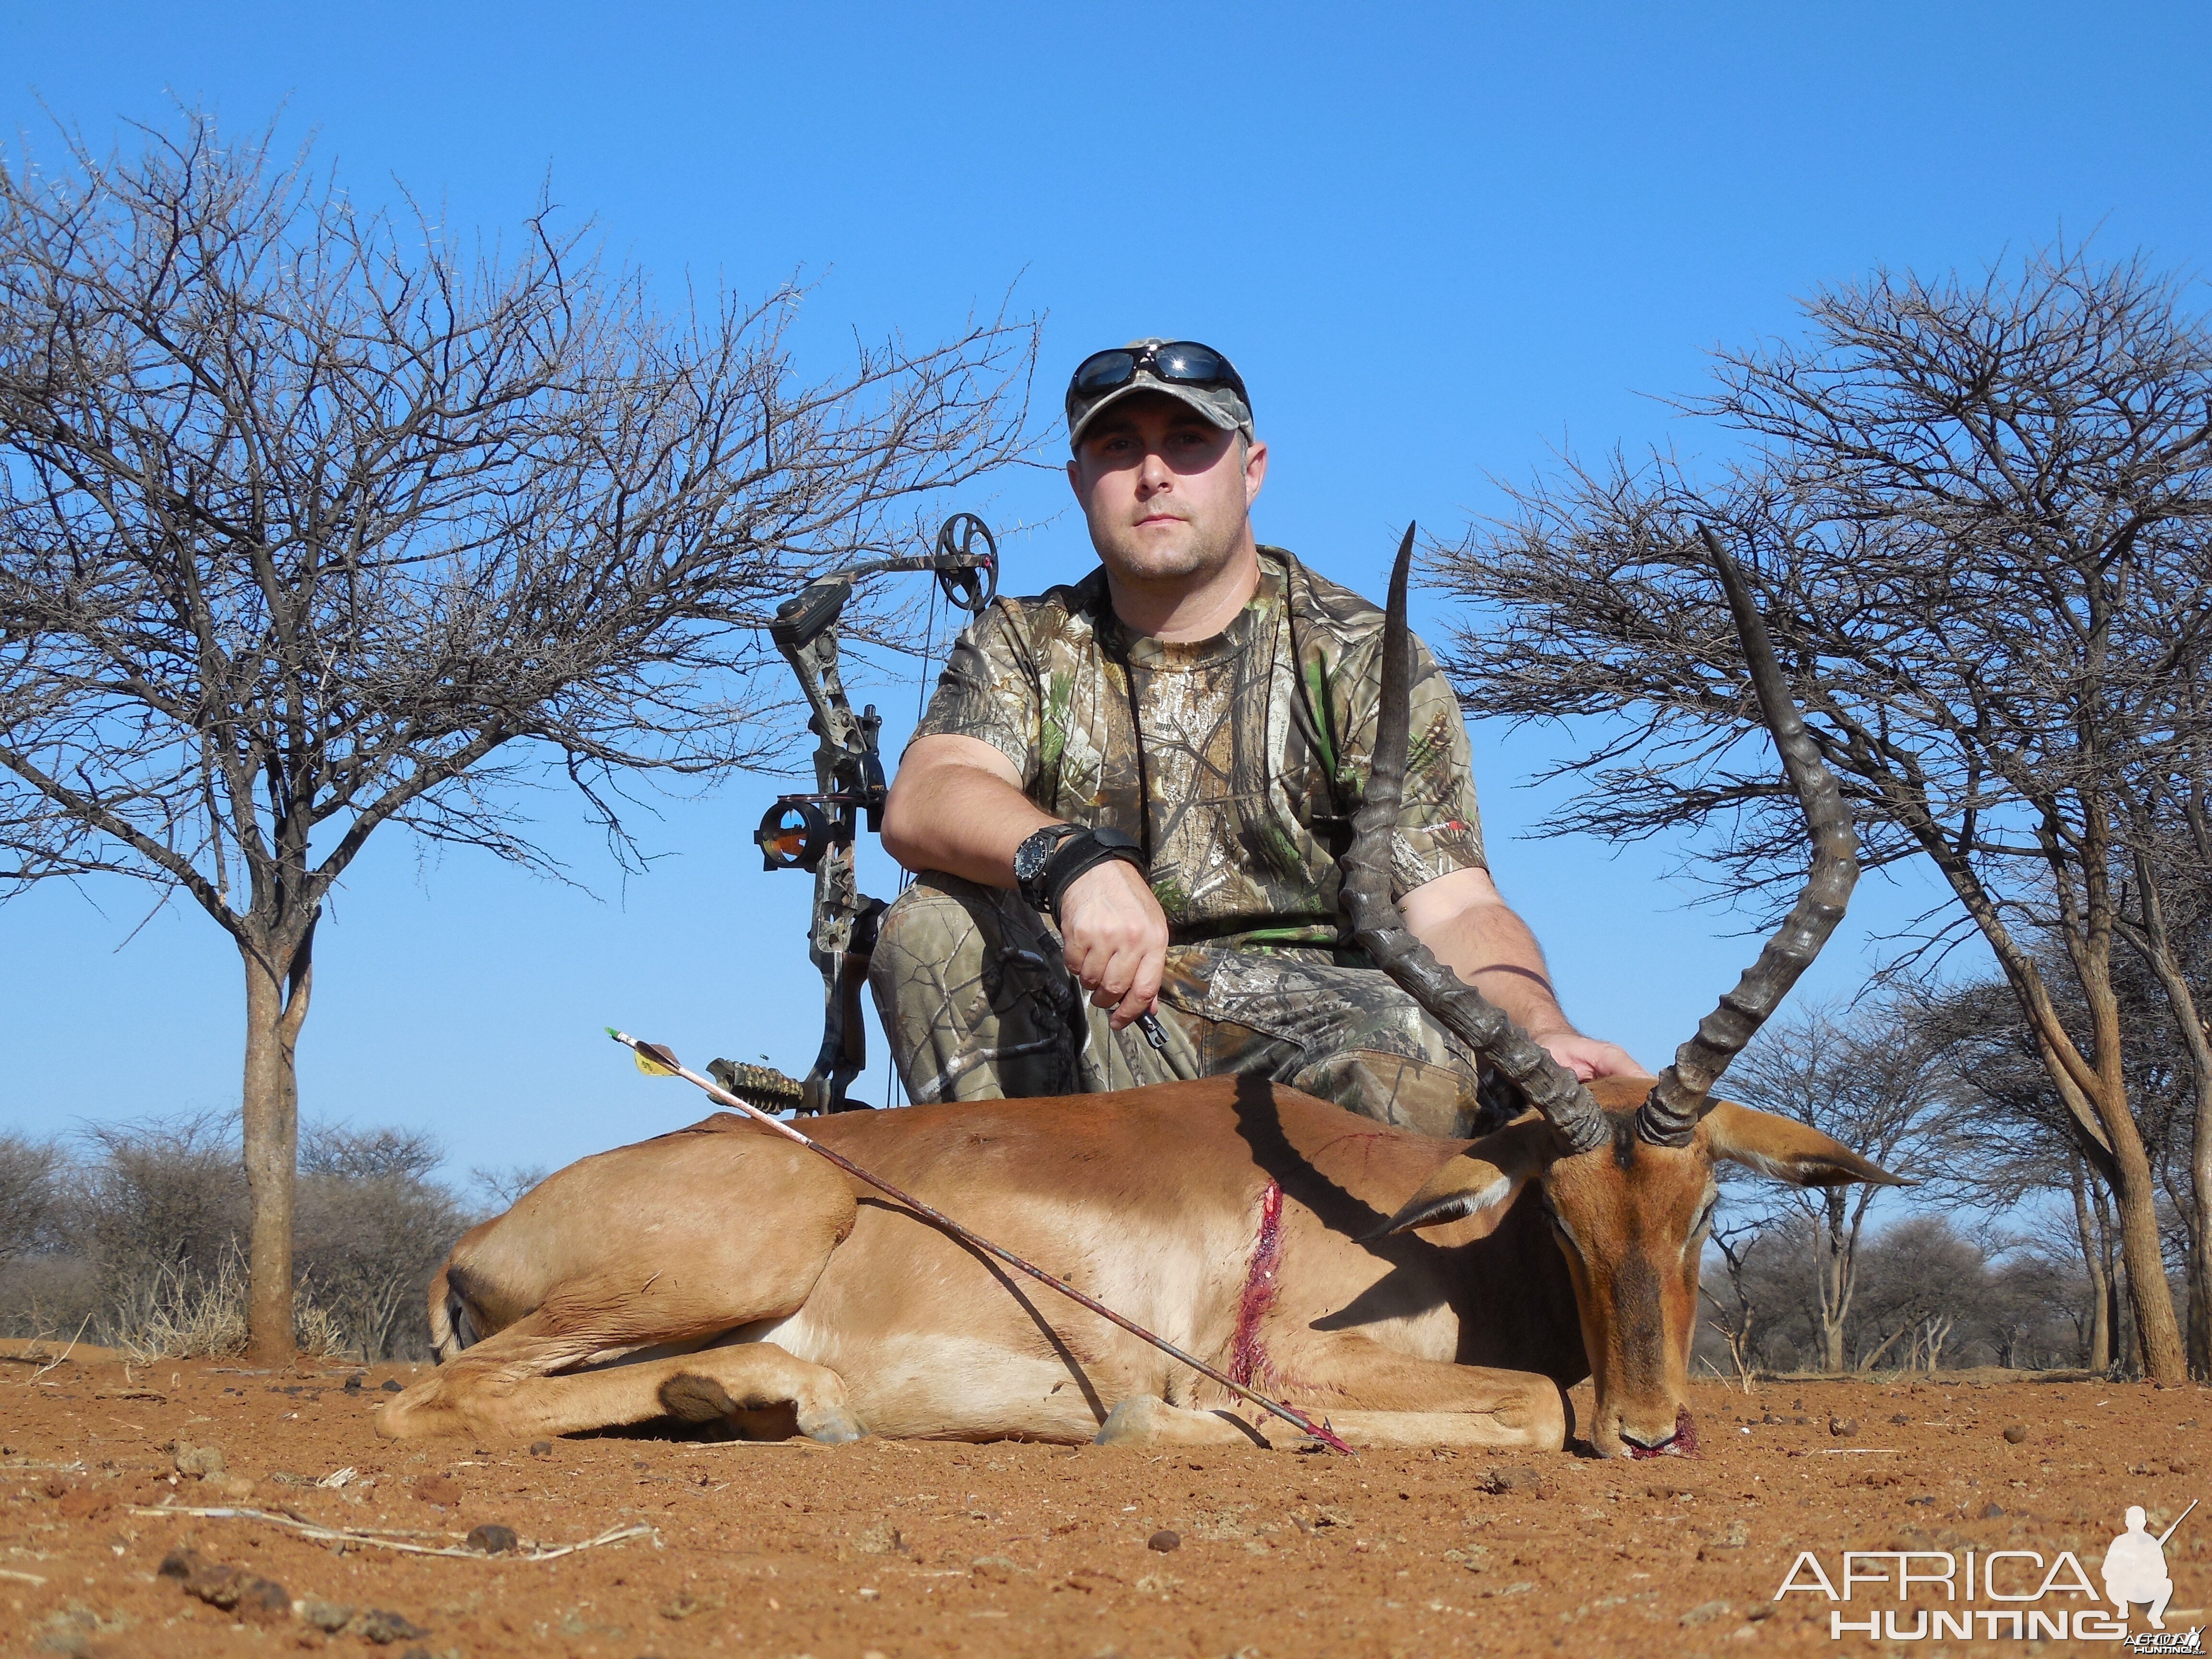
(1587, 1057)
(1467, 923)
(1116, 937)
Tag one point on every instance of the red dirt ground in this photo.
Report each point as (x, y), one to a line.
(912, 1549)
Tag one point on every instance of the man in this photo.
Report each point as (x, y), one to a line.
(1164, 758)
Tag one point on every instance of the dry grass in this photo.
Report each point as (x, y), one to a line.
(191, 1315)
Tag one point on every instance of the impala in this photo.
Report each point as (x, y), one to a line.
(1413, 1290)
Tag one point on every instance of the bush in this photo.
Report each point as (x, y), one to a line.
(142, 1234)
(190, 1315)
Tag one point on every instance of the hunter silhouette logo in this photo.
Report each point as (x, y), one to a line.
(2032, 1594)
(2134, 1566)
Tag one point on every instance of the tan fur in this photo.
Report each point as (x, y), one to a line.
(722, 1271)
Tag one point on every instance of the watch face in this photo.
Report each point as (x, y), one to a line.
(1032, 855)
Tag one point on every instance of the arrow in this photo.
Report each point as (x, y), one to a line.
(655, 1060)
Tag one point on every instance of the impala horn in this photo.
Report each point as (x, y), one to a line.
(1670, 1115)
(1377, 928)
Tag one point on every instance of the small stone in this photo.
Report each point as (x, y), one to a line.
(1515, 1477)
(996, 1568)
(353, 1384)
(383, 1627)
(439, 1489)
(541, 1449)
(393, 1385)
(881, 1538)
(196, 1460)
(1899, 1418)
(1705, 1612)
(1993, 1512)
(329, 1617)
(683, 1604)
(2015, 1433)
(215, 1582)
(492, 1538)
(263, 1602)
(1842, 1427)
(1165, 1541)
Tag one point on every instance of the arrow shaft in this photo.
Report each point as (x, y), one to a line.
(937, 1217)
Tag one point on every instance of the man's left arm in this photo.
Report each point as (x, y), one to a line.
(1468, 926)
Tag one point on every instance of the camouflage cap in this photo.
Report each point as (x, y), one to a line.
(1224, 404)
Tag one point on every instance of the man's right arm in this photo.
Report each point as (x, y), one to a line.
(956, 805)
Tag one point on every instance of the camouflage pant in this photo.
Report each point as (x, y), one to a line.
(979, 1004)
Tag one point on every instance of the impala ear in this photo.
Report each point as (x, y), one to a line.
(1481, 1183)
(1786, 1150)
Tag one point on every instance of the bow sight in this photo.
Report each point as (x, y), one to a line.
(815, 831)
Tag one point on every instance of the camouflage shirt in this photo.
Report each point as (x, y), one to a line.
(1255, 746)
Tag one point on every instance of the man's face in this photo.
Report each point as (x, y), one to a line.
(1168, 493)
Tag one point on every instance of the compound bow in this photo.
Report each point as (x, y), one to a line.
(816, 832)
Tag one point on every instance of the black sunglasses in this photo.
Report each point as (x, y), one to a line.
(1181, 363)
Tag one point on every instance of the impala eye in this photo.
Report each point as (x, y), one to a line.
(1558, 1225)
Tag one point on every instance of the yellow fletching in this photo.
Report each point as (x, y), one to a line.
(651, 1067)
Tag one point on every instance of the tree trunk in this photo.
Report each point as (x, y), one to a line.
(2088, 933)
(2150, 1299)
(2156, 945)
(2130, 1362)
(278, 979)
(2099, 1357)
(1835, 1284)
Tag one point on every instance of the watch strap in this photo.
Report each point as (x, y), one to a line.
(1080, 854)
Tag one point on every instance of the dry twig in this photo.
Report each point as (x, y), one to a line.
(367, 1535)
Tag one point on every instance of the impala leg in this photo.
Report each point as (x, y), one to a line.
(1377, 1397)
(696, 1388)
(1146, 1420)
(670, 1244)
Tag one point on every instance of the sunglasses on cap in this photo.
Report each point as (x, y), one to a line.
(1177, 362)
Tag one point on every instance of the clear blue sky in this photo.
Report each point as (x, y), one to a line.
(1439, 241)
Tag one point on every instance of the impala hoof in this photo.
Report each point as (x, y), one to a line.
(1137, 1418)
(833, 1427)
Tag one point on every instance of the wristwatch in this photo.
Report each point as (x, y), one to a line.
(1052, 861)
(1031, 858)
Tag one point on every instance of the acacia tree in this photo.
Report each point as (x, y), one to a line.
(1976, 518)
(1737, 1317)
(2015, 1140)
(2165, 914)
(316, 521)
